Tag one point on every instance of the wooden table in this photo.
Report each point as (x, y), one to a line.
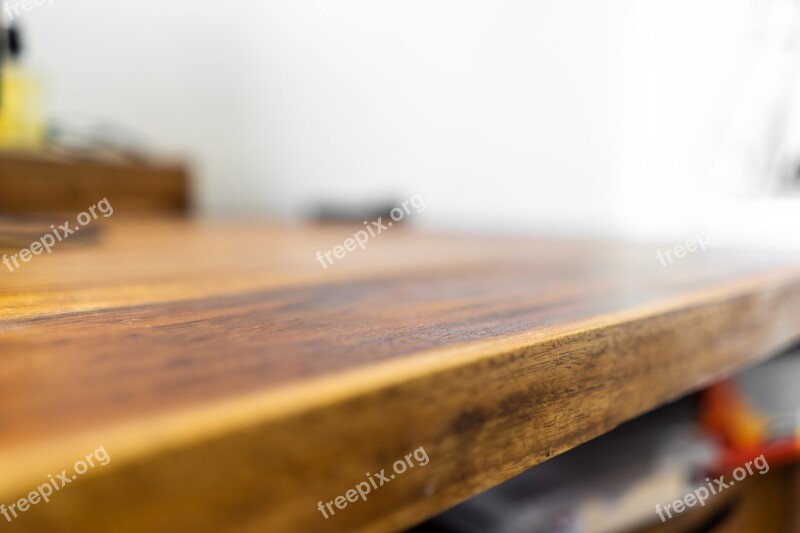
(236, 383)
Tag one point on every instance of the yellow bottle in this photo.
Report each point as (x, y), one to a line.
(21, 117)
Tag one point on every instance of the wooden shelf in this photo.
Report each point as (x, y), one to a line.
(235, 383)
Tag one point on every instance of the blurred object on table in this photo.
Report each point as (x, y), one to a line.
(21, 115)
(89, 138)
(73, 163)
(45, 183)
(338, 212)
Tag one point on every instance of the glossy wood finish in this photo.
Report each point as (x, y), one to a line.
(235, 382)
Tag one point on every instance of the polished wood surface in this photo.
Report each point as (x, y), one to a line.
(235, 382)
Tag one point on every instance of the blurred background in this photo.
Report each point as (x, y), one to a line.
(638, 119)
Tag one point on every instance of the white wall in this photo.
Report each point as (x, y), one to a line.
(634, 118)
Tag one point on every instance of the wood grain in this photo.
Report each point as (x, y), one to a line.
(235, 382)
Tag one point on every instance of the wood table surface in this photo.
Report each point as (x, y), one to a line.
(235, 382)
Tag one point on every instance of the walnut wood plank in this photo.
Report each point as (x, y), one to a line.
(235, 382)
